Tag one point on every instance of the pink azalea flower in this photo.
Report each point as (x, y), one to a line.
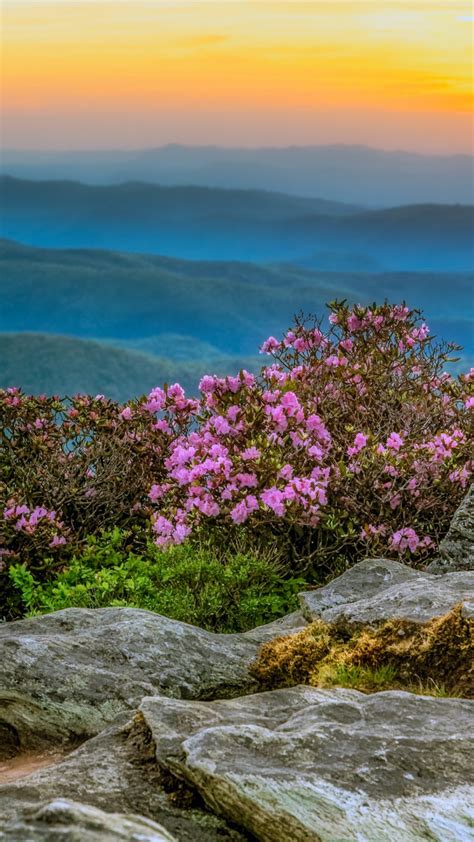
(394, 441)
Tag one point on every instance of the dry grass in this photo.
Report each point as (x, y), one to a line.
(434, 658)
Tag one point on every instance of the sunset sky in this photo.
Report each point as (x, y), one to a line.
(396, 75)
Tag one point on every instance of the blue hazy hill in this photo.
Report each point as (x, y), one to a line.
(198, 223)
(344, 173)
(211, 309)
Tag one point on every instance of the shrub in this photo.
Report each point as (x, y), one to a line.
(69, 468)
(228, 594)
(432, 657)
(353, 440)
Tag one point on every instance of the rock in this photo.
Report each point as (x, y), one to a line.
(289, 624)
(329, 765)
(376, 590)
(456, 550)
(117, 772)
(62, 820)
(67, 675)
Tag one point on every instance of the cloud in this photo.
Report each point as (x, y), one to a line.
(202, 40)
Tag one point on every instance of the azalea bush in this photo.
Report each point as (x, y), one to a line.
(353, 440)
(71, 468)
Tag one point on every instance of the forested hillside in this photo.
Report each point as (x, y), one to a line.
(205, 223)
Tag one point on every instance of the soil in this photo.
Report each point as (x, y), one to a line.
(25, 763)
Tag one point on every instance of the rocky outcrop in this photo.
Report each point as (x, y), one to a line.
(66, 675)
(301, 764)
(306, 764)
(115, 772)
(376, 590)
(456, 550)
(62, 820)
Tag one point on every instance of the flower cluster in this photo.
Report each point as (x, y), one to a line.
(256, 453)
(28, 521)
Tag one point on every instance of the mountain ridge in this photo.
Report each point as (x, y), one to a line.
(341, 172)
(200, 223)
(115, 295)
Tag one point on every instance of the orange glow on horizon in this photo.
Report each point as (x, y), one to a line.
(238, 57)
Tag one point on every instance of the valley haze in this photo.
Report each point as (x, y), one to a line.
(123, 268)
(345, 173)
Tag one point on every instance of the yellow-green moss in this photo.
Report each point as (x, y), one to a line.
(434, 658)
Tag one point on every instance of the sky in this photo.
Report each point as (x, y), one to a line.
(92, 74)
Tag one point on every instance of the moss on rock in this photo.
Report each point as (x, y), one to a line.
(434, 657)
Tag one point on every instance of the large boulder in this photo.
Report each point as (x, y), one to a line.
(66, 675)
(328, 765)
(61, 820)
(115, 772)
(456, 550)
(380, 589)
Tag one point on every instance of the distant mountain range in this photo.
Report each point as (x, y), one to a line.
(198, 223)
(354, 174)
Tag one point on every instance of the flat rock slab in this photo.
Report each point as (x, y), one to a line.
(311, 765)
(61, 820)
(68, 674)
(456, 550)
(117, 772)
(380, 589)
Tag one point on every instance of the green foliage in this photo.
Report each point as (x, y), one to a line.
(356, 677)
(232, 594)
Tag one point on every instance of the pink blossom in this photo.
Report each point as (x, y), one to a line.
(180, 533)
(372, 531)
(233, 413)
(57, 541)
(290, 402)
(207, 384)
(360, 441)
(346, 344)
(404, 539)
(156, 400)
(395, 501)
(247, 480)
(278, 417)
(354, 323)
(251, 453)
(420, 334)
(394, 441)
(157, 491)
(270, 344)
(221, 425)
(274, 499)
(233, 384)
